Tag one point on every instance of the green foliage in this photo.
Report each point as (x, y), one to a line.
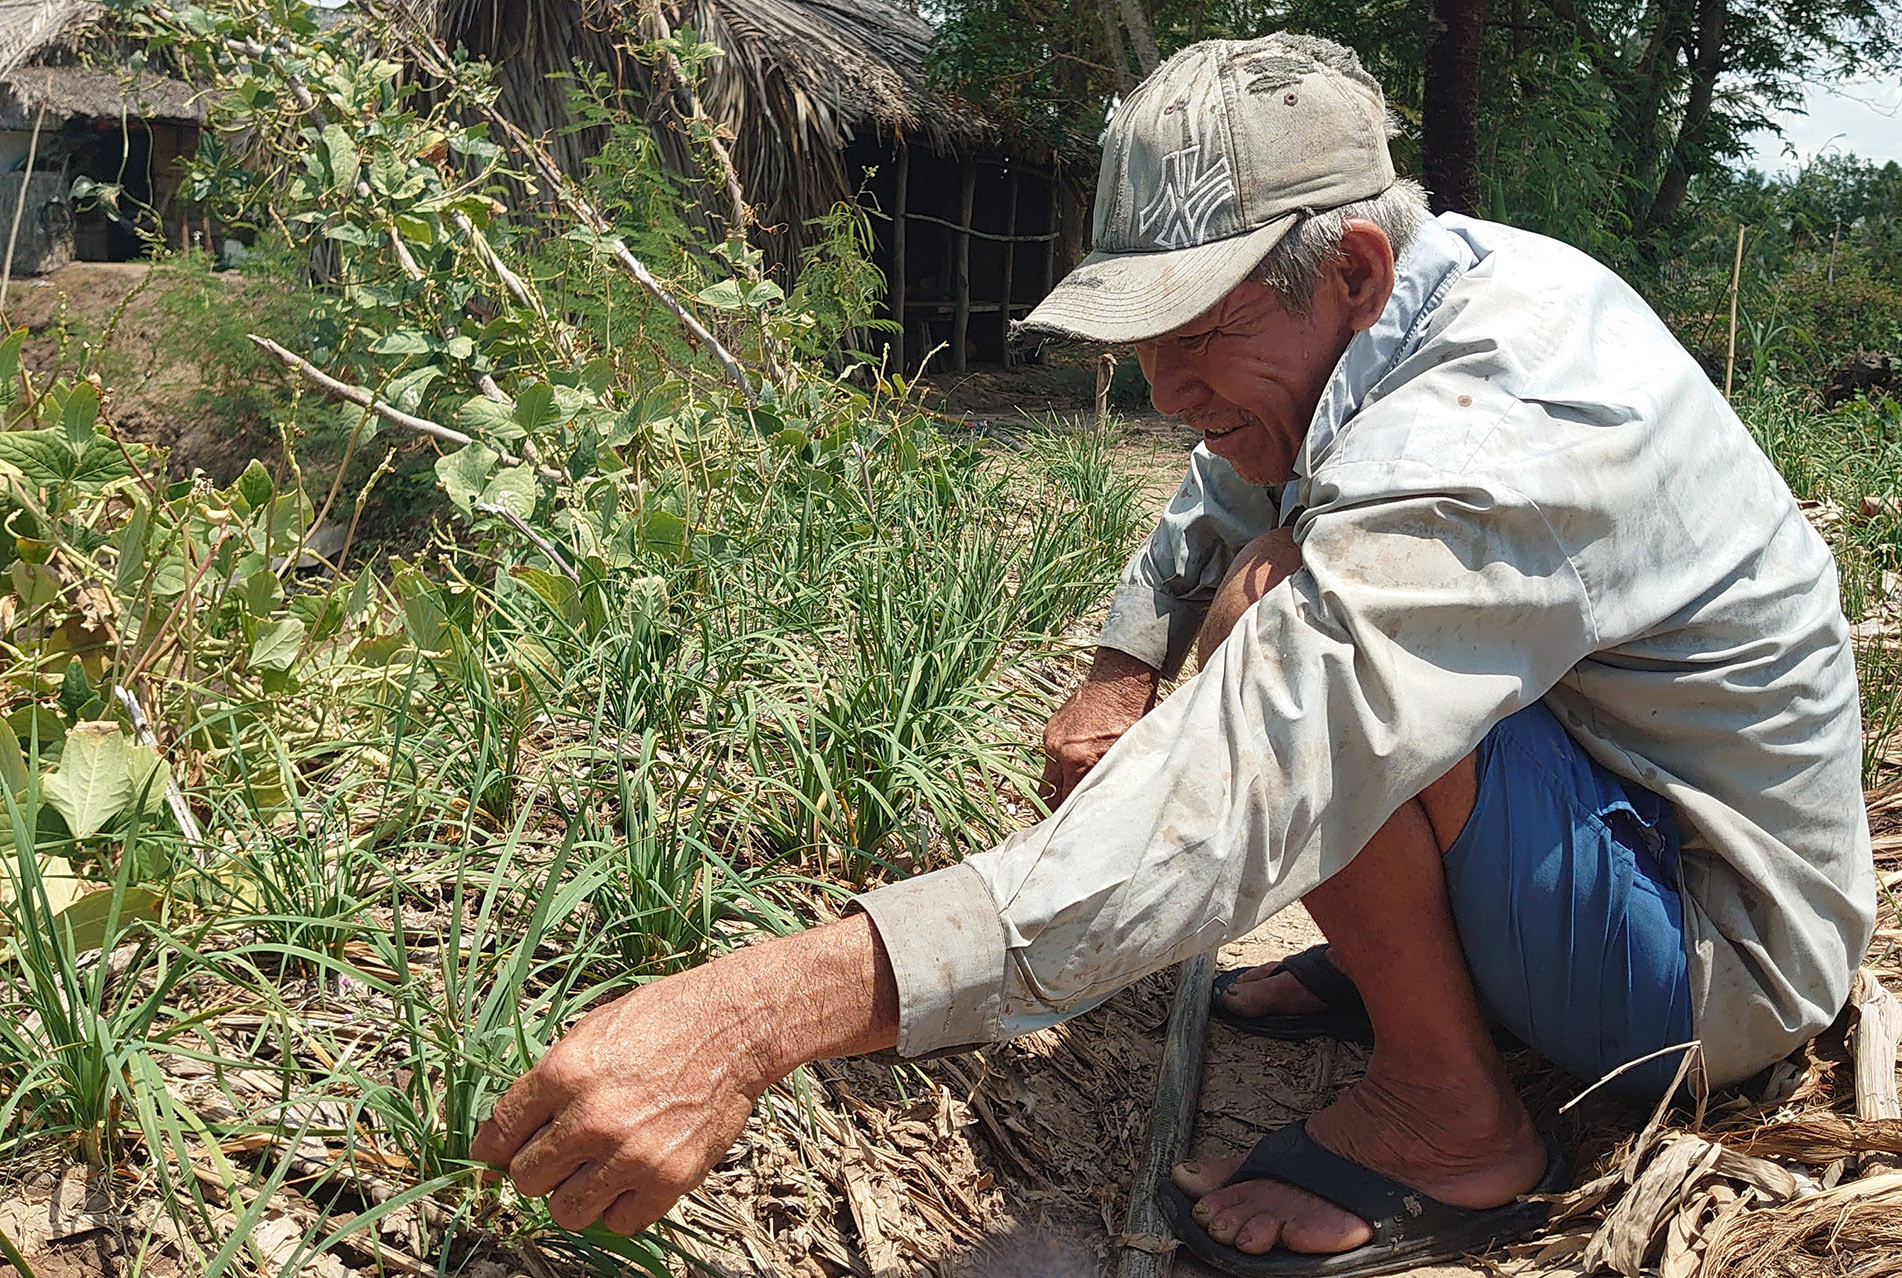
(1821, 275)
(675, 650)
(1595, 118)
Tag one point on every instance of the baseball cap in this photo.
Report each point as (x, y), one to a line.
(1206, 166)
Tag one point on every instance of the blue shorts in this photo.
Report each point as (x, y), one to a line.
(1564, 889)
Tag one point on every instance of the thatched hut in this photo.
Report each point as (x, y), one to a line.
(61, 120)
(825, 100)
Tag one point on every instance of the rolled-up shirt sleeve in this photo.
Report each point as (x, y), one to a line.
(1168, 583)
(1428, 607)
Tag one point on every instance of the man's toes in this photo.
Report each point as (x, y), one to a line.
(1203, 1176)
(1259, 1234)
(1257, 992)
(1321, 1228)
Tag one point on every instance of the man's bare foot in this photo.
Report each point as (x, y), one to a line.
(1469, 1146)
(1255, 993)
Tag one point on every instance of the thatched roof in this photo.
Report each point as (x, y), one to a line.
(38, 39)
(75, 92)
(27, 26)
(800, 80)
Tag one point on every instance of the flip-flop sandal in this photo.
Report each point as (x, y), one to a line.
(1410, 1228)
(1344, 1016)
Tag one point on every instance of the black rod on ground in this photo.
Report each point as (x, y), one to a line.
(1148, 1246)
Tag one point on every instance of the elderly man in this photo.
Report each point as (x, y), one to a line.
(1519, 667)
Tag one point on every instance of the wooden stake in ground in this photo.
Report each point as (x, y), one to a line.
(1736, 277)
(1148, 1245)
(19, 205)
(1105, 369)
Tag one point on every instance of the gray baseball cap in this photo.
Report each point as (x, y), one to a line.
(1205, 167)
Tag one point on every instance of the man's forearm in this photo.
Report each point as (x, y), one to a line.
(1130, 680)
(824, 993)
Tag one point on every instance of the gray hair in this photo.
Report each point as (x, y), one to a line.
(1293, 266)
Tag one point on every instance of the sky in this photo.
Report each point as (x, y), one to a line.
(1860, 117)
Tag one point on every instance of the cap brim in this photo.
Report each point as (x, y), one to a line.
(1133, 297)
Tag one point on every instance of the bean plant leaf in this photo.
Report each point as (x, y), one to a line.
(485, 416)
(277, 644)
(75, 693)
(536, 409)
(725, 296)
(42, 457)
(512, 487)
(10, 365)
(78, 415)
(342, 155)
(407, 391)
(404, 341)
(101, 774)
(13, 770)
(35, 585)
(88, 913)
(464, 472)
(559, 593)
(255, 485)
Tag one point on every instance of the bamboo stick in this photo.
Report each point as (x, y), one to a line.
(1736, 277)
(19, 205)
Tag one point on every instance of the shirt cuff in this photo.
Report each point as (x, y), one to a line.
(946, 946)
(1155, 628)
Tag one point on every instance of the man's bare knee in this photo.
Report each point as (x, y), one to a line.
(1262, 564)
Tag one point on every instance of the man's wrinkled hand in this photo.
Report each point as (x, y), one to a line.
(631, 1109)
(1119, 691)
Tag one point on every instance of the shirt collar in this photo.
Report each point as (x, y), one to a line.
(1436, 258)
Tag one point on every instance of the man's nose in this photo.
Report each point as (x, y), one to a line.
(1175, 387)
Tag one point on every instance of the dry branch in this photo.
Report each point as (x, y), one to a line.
(429, 55)
(358, 395)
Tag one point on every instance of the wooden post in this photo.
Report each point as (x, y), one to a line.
(1010, 265)
(895, 286)
(961, 274)
(1050, 245)
(1148, 1245)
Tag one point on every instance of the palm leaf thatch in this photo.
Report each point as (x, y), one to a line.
(26, 26)
(800, 80)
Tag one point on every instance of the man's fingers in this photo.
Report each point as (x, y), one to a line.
(579, 1201)
(632, 1212)
(521, 1112)
(1052, 787)
(546, 1161)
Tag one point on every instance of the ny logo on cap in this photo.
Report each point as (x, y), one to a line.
(1189, 196)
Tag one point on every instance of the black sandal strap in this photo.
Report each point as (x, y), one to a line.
(1393, 1210)
(1321, 978)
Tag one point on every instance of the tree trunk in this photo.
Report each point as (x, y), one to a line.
(1449, 109)
(1118, 55)
(1140, 36)
(1705, 68)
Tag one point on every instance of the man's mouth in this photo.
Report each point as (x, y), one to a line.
(1217, 432)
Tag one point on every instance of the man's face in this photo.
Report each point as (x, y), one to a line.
(1248, 375)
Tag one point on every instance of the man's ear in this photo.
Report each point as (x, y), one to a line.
(1366, 272)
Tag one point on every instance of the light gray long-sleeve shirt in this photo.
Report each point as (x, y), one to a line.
(1517, 486)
